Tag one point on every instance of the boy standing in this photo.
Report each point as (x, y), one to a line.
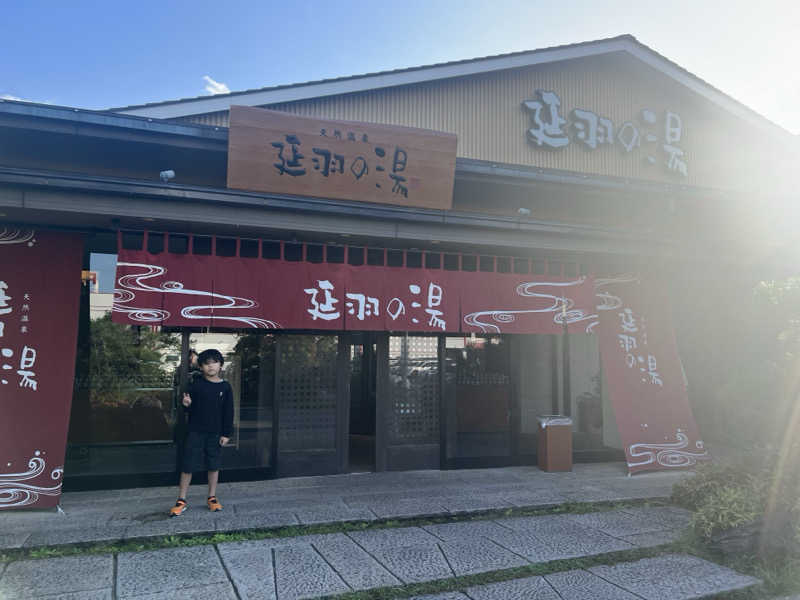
(209, 401)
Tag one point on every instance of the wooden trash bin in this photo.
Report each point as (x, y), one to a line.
(554, 451)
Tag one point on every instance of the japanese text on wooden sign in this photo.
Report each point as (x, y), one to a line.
(277, 152)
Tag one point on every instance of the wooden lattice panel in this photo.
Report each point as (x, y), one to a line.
(414, 390)
(307, 392)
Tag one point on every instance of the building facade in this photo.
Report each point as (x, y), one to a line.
(578, 163)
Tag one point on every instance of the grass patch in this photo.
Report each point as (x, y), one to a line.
(190, 539)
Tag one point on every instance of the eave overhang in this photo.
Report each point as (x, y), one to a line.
(109, 199)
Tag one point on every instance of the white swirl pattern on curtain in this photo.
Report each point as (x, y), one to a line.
(668, 454)
(136, 282)
(17, 236)
(13, 492)
(560, 306)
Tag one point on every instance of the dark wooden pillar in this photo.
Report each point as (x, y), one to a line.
(382, 399)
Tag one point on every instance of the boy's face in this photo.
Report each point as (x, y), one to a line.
(211, 368)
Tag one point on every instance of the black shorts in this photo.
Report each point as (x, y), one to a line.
(201, 452)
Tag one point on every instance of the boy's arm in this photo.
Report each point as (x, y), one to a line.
(187, 391)
(227, 413)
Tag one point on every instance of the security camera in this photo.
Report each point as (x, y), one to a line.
(167, 175)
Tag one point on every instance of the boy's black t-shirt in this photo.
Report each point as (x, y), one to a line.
(211, 410)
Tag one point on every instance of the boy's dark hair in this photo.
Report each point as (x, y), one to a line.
(209, 356)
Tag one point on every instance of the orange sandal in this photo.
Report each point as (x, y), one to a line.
(179, 508)
(213, 504)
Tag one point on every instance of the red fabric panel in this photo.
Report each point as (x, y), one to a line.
(645, 378)
(39, 301)
(236, 292)
(505, 303)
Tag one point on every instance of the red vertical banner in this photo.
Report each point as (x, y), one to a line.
(39, 301)
(644, 375)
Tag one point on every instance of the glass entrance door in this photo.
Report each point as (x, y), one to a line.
(409, 407)
(307, 387)
(249, 368)
(478, 397)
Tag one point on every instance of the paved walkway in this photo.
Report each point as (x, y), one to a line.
(140, 513)
(314, 566)
(667, 577)
(322, 565)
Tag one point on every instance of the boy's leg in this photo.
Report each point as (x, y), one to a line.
(214, 504)
(191, 460)
(213, 463)
(213, 477)
(186, 479)
(191, 451)
(183, 488)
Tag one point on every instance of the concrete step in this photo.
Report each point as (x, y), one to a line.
(131, 514)
(318, 565)
(197, 573)
(666, 577)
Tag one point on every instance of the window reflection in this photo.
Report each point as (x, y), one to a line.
(479, 396)
(126, 416)
(125, 375)
(249, 359)
(414, 389)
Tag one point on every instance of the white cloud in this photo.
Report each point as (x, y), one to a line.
(215, 87)
(18, 99)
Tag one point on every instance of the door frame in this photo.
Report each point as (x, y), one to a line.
(513, 457)
(346, 340)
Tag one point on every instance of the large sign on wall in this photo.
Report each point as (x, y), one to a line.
(657, 138)
(644, 375)
(271, 151)
(39, 297)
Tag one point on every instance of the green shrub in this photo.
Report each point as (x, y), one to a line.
(760, 488)
(725, 508)
(709, 480)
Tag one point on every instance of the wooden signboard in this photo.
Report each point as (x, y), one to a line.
(271, 151)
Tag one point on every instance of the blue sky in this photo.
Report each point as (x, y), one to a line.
(101, 55)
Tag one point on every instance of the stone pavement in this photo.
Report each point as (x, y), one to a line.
(667, 577)
(322, 565)
(314, 566)
(140, 513)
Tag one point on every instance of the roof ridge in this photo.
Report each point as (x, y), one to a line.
(464, 61)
